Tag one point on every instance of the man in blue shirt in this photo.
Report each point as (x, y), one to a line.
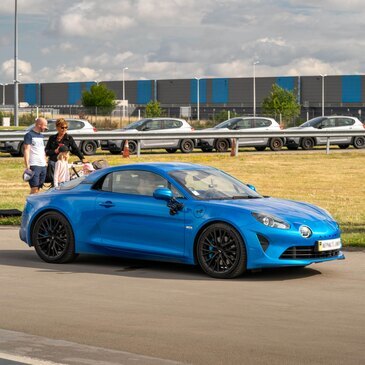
(35, 156)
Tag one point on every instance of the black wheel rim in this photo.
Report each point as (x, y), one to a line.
(187, 146)
(360, 142)
(222, 146)
(219, 251)
(52, 237)
(276, 143)
(89, 147)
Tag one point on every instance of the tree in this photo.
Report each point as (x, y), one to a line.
(153, 109)
(99, 97)
(223, 115)
(281, 101)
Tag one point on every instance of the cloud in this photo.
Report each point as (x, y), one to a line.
(24, 68)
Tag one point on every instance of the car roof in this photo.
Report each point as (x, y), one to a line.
(161, 167)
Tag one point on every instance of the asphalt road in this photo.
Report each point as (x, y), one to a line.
(173, 312)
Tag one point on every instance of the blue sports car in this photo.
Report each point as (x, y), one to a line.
(177, 212)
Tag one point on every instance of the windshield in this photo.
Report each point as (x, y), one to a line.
(312, 122)
(136, 125)
(212, 184)
(227, 123)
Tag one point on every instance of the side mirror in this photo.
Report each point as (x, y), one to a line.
(163, 194)
(251, 187)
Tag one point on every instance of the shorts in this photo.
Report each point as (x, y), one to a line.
(39, 177)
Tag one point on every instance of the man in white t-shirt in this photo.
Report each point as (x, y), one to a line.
(35, 156)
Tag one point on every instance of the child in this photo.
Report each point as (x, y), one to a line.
(61, 172)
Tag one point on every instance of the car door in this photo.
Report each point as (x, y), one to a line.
(151, 126)
(169, 126)
(328, 124)
(130, 219)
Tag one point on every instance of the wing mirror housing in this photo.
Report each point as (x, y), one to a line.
(251, 187)
(167, 195)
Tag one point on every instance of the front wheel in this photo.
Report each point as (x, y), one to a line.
(186, 146)
(359, 142)
(171, 150)
(260, 148)
(343, 146)
(53, 238)
(221, 252)
(89, 148)
(221, 145)
(307, 143)
(276, 144)
(115, 152)
(132, 147)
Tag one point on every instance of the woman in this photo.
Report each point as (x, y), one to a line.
(62, 139)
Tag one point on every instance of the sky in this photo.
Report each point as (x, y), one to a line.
(93, 40)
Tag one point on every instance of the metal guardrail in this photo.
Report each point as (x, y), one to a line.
(6, 136)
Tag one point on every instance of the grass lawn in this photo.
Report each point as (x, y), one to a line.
(335, 182)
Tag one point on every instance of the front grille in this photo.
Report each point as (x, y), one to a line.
(307, 252)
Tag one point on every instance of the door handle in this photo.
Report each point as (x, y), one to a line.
(107, 204)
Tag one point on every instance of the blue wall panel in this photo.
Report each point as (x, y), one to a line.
(351, 89)
(144, 91)
(219, 90)
(74, 93)
(194, 91)
(89, 84)
(30, 94)
(286, 82)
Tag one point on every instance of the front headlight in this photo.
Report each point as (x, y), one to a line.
(271, 221)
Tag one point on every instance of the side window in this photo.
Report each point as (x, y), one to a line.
(51, 126)
(75, 124)
(328, 123)
(344, 122)
(170, 124)
(136, 182)
(244, 124)
(152, 125)
(262, 123)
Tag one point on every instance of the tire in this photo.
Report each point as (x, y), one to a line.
(359, 142)
(222, 145)
(20, 152)
(307, 143)
(292, 147)
(115, 152)
(53, 238)
(186, 146)
(221, 252)
(276, 144)
(15, 154)
(260, 148)
(343, 146)
(89, 148)
(171, 150)
(133, 146)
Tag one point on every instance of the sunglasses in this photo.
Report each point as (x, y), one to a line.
(63, 127)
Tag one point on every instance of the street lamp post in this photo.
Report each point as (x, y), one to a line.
(197, 97)
(3, 85)
(323, 76)
(254, 87)
(16, 82)
(124, 68)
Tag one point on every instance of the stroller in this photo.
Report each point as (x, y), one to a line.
(77, 169)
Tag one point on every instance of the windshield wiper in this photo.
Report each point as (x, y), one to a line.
(245, 197)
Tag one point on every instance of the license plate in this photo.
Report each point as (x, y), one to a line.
(327, 245)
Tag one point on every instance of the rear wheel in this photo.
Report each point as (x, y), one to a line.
(222, 145)
(221, 252)
(53, 238)
(89, 148)
(307, 143)
(133, 146)
(186, 146)
(359, 142)
(276, 144)
(171, 150)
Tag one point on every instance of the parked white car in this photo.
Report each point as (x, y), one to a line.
(75, 126)
(249, 124)
(161, 125)
(329, 123)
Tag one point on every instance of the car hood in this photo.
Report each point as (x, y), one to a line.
(290, 210)
(300, 128)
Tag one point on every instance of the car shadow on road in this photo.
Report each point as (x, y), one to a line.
(107, 265)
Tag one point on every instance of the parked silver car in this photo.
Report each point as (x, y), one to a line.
(75, 126)
(249, 124)
(161, 125)
(330, 123)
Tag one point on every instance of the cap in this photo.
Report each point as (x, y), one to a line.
(27, 174)
(63, 148)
